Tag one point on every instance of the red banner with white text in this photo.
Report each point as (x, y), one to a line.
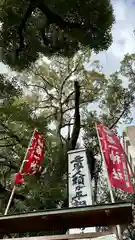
(34, 159)
(115, 159)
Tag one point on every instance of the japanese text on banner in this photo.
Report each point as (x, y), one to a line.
(115, 159)
(33, 161)
(35, 155)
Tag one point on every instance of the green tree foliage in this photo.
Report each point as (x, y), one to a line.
(16, 124)
(46, 99)
(114, 108)
(128, 69)
(33, 27)
(55, 81)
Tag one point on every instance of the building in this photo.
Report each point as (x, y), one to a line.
(128, 142)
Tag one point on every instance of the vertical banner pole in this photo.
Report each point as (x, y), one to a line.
(21, 167)
(10, 200)
(127, 158)
(108, 181)
(130, 167)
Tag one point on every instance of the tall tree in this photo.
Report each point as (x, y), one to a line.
(59, 90)
(46, 99)
(56, 83)
(30, 28)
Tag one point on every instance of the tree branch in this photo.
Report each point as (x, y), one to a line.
(51, 17)
(8, 145)
(55, 18)
(43, 107)
(12, 135)
(67, 124)
(44, 79)
(69, 131)
(59, 116)
(35, 85)
(69, 75)
(86, 101)
(44, 88)
(71, 108)
(62, 138)
(67, 98)
(121, 115)
(76, 127)
(28, 13)
(4, 138)
(49, 116)
(8, 163)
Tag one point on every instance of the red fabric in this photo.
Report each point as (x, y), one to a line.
(18, 179)
(35, 155)
(115, 159)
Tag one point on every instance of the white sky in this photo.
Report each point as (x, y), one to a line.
(123, 40)
(123, 36)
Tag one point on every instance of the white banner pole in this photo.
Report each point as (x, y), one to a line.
(14, 188)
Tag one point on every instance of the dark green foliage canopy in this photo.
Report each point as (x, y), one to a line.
(33, 27)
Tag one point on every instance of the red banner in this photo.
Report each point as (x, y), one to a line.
(34, 158)
(35, 155)
(115, 159)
